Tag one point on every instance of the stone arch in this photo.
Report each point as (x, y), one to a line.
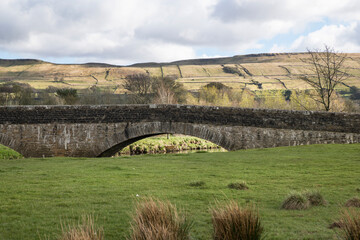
(136, 131)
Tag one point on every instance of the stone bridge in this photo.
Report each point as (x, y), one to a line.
(95, 131)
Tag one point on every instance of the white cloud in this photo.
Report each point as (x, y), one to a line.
(278, 49)
(344, 38)
(124, 32)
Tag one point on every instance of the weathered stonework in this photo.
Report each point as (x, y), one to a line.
(91, 131)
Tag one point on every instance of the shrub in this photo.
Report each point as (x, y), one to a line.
(85, 231)
(138, 149)
(353, 202)
(315, 198)
(295, 201)
(69, 95)
(350, 225)
(233, 222)
(157, 220)
(162, 149)
(238, 186)
(145, 149)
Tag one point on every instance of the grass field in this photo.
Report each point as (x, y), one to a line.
(36, 195)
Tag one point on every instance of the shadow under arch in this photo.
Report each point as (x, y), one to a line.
(137, 131)
(116, 148)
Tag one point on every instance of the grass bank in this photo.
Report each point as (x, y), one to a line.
(171, 143)
(36, 195)
(7, 153)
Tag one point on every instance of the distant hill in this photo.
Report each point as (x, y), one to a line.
(250, 58)
(270, 71)
(19, 62)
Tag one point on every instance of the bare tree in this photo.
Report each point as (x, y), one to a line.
(164, 95)
(327, 72)
(168, 91)
(140, 85)
(147, 89)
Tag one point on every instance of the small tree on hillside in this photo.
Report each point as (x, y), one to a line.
(140, 85)
(69, 95)
(327, 72)
(215, 93)
(354, 93)
(147, 89)
(16, 94)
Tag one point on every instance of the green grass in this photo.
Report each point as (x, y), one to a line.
(37, 195)
(7, 153)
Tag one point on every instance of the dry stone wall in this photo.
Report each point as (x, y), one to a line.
(92, 131)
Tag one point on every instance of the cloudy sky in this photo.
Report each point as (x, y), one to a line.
(129, 31)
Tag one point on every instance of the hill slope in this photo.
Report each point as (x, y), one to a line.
(255, 71)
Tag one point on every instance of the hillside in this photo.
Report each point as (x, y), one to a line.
(255, 71)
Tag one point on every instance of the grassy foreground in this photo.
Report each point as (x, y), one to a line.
(37, 195)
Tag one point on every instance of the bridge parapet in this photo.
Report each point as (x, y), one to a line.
(265, 118)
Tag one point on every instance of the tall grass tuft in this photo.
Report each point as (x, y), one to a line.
(353, 202)
(157, 220)
(238, 186)
(295, 201)
(84, 231)
(350, 224)
(234, 222)
(200, 184)
(315, 198)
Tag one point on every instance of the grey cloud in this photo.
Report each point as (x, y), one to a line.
(166, 32)
(12, 27)
(233, 10)
(12, 32)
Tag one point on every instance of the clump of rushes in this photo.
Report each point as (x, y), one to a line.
(295, 201)
(350, 224)
(353, 202)
(315, 198)
(197, 184)
(238, 186)
(157, 220)
(234, 222)
(84, 231)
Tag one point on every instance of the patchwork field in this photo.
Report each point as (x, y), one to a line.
(37, 195)
(274, 71)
